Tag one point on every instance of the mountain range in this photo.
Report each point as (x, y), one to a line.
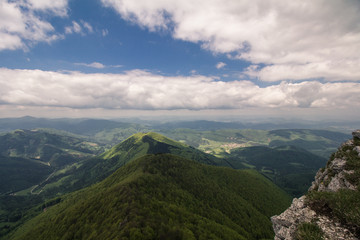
(206, 184)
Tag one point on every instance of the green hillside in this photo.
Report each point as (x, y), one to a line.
(29, 157)
(97, 168)
(137, 146)
(152, 143)
(291, 168)
(162, 196)
(20, 173)
(29, 161)
(55, 149)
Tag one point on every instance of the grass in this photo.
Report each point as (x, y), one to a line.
(309, 231)
(25, 191)
(343, 204)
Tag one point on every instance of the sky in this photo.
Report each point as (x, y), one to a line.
(206, 59)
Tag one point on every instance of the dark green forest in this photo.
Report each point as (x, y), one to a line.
(163, 196)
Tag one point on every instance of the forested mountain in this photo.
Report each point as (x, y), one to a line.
(162, 196)
(28, 157)
(138, 145)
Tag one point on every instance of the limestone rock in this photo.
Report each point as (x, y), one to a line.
(285, 224)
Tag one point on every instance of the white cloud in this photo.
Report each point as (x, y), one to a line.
(105, 32)
(329, 70)
(92, 65)
(310, 36)
(20, 25)
(74, 28)
(58, 7)
(220, 65)
(79, 28)
(87, 26)
(117, 66)
(142, 90)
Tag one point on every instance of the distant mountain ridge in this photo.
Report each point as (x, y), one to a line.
(81, 126)
(88, 126)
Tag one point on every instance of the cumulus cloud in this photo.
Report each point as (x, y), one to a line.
(327, 69)
(57, 7)
(220, 65)
(315, 39)
(21, 25)
(138, 89)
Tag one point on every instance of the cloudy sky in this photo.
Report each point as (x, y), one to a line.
(203, 58)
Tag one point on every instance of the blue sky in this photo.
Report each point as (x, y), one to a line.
(117, 44)
(206, 59)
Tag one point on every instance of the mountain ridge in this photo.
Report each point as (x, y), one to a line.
(138, 145)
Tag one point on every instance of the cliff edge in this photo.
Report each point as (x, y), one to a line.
(331, 208)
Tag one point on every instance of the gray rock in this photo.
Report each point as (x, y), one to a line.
(285, 224)
(330, 179)
(356, 134)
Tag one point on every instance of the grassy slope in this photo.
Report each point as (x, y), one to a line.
(165, 197)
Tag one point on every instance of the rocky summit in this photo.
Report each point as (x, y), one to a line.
(331, 207)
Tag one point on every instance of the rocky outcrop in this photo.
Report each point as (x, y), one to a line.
(330, 179)
(333, 178)
(285, 225)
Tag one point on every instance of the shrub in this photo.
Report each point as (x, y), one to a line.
(309, 231)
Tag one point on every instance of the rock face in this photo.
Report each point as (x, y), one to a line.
(330, 179)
